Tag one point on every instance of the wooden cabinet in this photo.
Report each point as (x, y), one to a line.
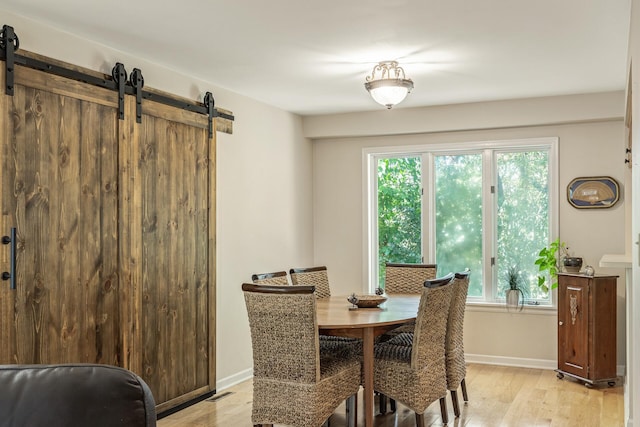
(587, 328)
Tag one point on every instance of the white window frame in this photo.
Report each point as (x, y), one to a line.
(488, 149)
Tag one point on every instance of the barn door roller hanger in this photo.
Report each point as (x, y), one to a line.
(9, 42)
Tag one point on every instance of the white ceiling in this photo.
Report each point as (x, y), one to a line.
(312, 57)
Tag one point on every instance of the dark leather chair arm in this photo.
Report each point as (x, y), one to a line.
(74, 395)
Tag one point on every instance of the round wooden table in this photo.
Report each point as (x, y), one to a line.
(335, 318)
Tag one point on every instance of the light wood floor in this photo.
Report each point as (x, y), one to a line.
(498, 397)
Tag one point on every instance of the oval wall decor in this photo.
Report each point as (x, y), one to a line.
(593, 192)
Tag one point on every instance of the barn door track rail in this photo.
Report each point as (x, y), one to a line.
(10, 43)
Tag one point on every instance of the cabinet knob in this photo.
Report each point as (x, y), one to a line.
(560, 323)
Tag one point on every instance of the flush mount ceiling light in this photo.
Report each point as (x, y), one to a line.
(391, 86)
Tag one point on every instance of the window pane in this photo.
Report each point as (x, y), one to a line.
(522, 217)
(399, 212)
(458, 211)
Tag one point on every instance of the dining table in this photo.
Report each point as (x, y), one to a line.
(336, 316)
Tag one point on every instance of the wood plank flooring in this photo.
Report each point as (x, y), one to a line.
(499, 396)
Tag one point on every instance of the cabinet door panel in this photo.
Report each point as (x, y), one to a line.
(573, 327)
(603, 329)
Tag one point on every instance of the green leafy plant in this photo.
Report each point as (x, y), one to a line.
(547, 261)
(513, 277)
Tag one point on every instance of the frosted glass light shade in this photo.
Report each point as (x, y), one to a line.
(389, 92)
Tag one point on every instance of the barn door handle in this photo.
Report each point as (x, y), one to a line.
(11, 240)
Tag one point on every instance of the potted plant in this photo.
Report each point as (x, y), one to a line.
(516, 291)
(547, 261)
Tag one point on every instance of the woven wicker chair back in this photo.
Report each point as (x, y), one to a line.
(407, 278)
(276, 278)
(431, 324)
(454, 347)
(284, 332)
(313, 276)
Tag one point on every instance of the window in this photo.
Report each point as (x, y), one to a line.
(399, 211)
(458, 216)
(485, 206)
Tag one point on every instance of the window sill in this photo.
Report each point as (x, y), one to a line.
(497, 307)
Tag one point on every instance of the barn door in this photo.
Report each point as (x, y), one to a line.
(59, 189)
(114, 222)
(171, 230)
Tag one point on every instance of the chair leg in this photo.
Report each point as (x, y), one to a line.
(352, 411)
(465, 396)
(393, 405)
(382, 403)
(419, 420)
(443, 410)
(454, 400)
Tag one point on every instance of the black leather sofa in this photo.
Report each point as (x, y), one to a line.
(73, 395)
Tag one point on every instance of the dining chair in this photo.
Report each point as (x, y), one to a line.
(275, 278)
(454, 343)
(407, 278)
(319, 277)
(403, 278)
(293, 382)
(312, 276)
(410, 368)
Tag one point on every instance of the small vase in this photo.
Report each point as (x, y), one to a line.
(589, 271)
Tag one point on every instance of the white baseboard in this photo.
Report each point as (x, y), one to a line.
(522, 362)
(511, 361)
(232, 380)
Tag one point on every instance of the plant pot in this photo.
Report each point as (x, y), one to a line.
(514, 299)
(572, 264)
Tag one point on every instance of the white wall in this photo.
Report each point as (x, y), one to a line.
(264, 217)
(589, 146)
(471, 116)
(263, 182)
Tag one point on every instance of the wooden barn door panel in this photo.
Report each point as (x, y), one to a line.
(174, 238)
(59, 189)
